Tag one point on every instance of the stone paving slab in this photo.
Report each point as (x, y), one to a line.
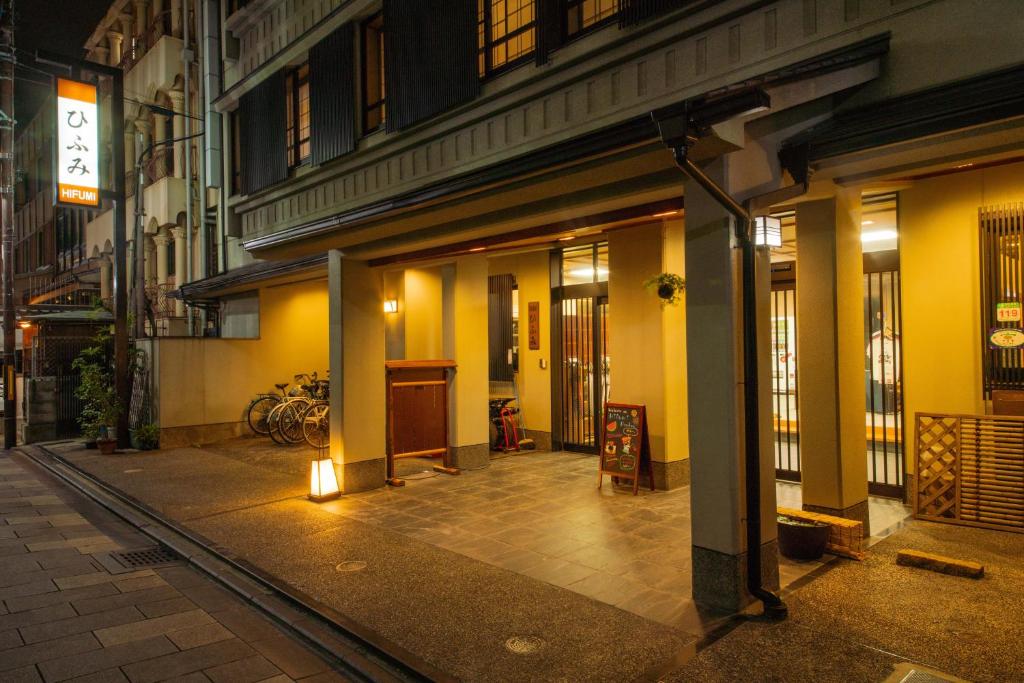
(63, 616)
(452, 610)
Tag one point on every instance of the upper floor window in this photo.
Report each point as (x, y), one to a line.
(506, 33)
(373, 74)
(297, 121)
(584, 15)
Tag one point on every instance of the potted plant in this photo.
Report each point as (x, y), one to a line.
(802, 540)
(146, 437)
(668, 286)
(100, 407)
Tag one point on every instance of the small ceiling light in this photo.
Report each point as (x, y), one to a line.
(567, 238)
(476, 249)
(391, 306)
(323, 482)
(663, 214)
(968, 165)
(24, 324)
(867, 222)
(877, 236)
(767, 231)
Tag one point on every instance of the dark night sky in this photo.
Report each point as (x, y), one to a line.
(55, 25)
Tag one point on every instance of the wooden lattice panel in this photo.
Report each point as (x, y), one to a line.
(971, 470)
(938, 446)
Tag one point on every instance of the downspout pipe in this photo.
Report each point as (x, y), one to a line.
(774, 607)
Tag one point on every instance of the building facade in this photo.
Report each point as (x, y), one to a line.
(500, 178)
(163, 144)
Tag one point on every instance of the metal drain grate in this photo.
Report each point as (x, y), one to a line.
(905, 672)
(916, 676)
(524, 645)
(157, 556)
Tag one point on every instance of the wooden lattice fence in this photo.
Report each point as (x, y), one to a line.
(970, 470)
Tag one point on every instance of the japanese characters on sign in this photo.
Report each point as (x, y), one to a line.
(78, 167)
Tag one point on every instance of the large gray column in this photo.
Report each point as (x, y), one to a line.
(356, 354)
(715, 405)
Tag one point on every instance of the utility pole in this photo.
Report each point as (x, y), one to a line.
(7, 191)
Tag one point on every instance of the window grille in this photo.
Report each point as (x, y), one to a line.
(1001, 230)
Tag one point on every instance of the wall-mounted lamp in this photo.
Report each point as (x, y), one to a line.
(391, 306)
(767, 231)
(323, 483)
(24, 324)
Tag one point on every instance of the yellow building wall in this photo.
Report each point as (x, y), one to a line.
(211, 381)
(532, 275)
(422, 312)
(940, 283)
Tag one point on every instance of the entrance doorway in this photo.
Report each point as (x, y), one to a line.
(785, 393)
(883, 367)
(580, 321)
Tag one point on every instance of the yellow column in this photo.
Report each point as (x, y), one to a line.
(640, 352)
(465, 336)
(715, 385)
(357, 410)
(830, 343)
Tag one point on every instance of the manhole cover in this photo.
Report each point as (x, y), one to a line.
(524, 645)
(350, 566)
(156, 556)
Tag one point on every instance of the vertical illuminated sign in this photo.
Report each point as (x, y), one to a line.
(78, 159)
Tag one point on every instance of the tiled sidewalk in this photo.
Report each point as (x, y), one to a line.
(63, 616)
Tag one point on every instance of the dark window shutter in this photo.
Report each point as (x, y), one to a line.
(430, 58)
(332, 105)
(633, 12)
(550, 28)
(262, 119)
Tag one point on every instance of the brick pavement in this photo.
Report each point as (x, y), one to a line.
(63, 616)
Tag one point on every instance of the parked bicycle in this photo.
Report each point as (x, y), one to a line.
(261, 407)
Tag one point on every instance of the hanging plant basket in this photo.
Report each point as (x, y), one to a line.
(668, 286)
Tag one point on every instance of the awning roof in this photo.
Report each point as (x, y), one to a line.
(251, 274)
(951, 106)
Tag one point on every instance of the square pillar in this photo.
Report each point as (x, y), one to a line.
(357, 409)
(715, 381)
(640, 322)
(830, 339)
(464, 306)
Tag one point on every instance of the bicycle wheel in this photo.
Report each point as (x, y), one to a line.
(259, 411)
(290, 423)
(315, 427)
(274, 422)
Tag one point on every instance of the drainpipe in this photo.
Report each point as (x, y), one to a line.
(187, 56)
(774, 607)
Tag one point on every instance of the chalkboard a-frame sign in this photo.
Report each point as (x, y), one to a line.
(625, 448)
